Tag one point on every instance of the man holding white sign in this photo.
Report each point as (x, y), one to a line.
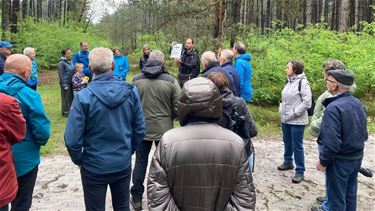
(189, 62)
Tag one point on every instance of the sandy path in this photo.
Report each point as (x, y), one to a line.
(59, 185)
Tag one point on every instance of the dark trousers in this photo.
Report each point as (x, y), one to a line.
(293, 145)
(341, 184)
(24, 196)
(95, 189)
(140, 168)
(66, 99)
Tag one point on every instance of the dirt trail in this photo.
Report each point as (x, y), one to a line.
(59, 185)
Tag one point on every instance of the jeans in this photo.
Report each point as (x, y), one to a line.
(24, 196)
(139, 172)
(341, 184)
(95, 189)
(293, 145)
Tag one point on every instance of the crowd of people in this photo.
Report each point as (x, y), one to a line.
(207, 163)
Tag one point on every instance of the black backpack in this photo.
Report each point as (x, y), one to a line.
(310, 111)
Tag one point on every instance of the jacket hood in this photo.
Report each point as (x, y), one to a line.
(244, 56)
(110, 90)
(63, 59)
(13, 83)
(153, 68)
(296, 77)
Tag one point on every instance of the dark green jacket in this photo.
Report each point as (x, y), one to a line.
(159, 93)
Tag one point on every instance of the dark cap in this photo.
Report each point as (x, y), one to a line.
(5, 44)
(342, 76)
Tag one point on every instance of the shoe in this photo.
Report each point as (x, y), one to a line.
(285, 167)
(365, 172)
(137, 206)
(320, 199)
(297, 178)
(317, 208)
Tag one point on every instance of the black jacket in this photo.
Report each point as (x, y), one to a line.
(190, 63)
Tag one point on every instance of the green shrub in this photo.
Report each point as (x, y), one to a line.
(313, 46)
(49, 38)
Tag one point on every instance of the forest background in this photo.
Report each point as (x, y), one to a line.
(274, 31)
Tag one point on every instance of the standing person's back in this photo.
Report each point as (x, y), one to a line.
(245, 71)
(104, 127)
(12, 131)
(187, 172)
(159, 93)
(26, 153)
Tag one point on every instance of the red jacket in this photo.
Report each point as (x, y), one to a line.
(12, 130)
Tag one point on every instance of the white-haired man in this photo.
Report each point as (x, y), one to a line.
(159, 93)
(225, 60)
(33, 81)
(104, 126)
(211, 64)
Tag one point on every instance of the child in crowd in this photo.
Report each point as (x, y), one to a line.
(79, 79)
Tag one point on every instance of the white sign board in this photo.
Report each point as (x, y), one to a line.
(176, 51)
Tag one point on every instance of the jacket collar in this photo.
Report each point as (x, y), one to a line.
(327, 101)
(226, 64)
(104, 76)
(296, 77)
(211, 65)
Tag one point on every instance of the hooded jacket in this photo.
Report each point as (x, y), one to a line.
(27, 153)
(294, 104)
(343, 131)
(200, 166)
(12, 131)
(159, 93)
(105, 125)
(245, 71)
(66, 72)
(121, 66)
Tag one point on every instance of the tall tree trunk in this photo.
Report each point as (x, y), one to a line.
(82, 12)
(24, 9)
(344, 16)
(219, 19)
(308, 13)
(5, 18)
(65, 11)
(39, 10)
(31, 10)
(57, 10)
(14, 16)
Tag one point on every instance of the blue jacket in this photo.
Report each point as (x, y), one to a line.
(215, 67)
(343, 130)
(82, 57)
(244, 69)
(26, 153)
(229, 68)
(105, 125)
(34, 74)
(121, 67)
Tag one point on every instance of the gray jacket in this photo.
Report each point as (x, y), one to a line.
(200, 166)
(294, 103)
